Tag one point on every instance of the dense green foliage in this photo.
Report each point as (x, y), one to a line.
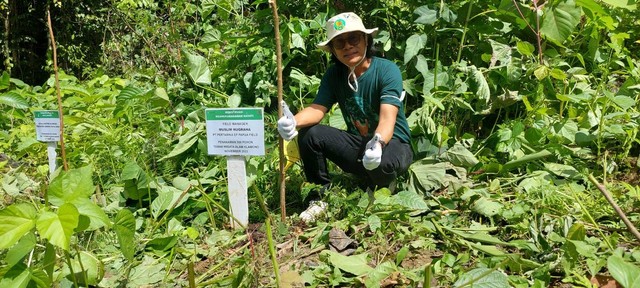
(512, 104)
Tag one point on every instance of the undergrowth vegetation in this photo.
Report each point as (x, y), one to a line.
(524, 114)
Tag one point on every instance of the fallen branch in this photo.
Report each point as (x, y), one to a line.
(615, 206)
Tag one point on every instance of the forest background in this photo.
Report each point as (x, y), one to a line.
(524, 116)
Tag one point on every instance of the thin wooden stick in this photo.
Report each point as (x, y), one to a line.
(283, 160)
(615, 206)
(55, 70)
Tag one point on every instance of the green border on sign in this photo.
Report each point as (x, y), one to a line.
(46, 114)
(215, 114)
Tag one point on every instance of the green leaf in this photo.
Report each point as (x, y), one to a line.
(197, 68)
(14, 99)
(482, 278)
(336, 120)
(208, 7)
(558, 74)
(576, 232)
(426, 176)
(592, 6)
(128, 93)
(624, 102)
(131, 171)
(17, 277)
(541, 72)
(480, 236)
(426, 15)
(374, 223)
(96, 215)
(460, 156)
(297, 41)
(524, 159)
(627, 274)
(167, 197)
(410, 200)
(486, 207)
(525, 48)
(583, 248)
(415, 43)
(21, 276)
(479, 84)
(500, 55)
(402, 254)
(125, 97)
(74, 89)
(49, 259)
(125, 228)
(16, 221)
(422, 66)
(147, 273)
(162, 244)
(136, 183)
(5, 81)
(559, 22)
(630, 5)
(20, 250)
(234, 100)
(58, 228)
(71, 186)
(160, 97)
(210, 38)
(85, 264)
(354, 264)
(185, 142)
(562, 170)
(382, 271)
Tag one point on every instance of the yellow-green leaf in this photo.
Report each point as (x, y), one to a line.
(15, 221)
(58, 228)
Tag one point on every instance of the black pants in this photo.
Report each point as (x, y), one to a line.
(320, 142)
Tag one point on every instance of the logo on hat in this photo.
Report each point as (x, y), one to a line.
(339, 24)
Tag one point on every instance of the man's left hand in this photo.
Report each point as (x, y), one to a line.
(373, 154)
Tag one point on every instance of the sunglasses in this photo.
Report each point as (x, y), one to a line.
(352, 38)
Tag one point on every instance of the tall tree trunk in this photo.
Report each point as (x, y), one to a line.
(25, 40)
(6, 51)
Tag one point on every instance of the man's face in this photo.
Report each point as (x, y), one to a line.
(349, 47)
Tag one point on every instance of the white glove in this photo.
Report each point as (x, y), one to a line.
(287, 127)
(373, 153)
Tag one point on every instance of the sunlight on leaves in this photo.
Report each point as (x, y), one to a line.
(15, 221)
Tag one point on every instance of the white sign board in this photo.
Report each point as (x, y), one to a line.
(47, 125)
(237, 131)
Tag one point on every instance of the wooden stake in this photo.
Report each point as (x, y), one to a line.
(55, 70)
(283, 160)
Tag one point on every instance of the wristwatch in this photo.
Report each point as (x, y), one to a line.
(382, 143)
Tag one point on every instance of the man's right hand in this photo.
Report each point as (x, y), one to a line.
(287, 127)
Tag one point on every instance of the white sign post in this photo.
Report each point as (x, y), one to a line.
(236, 133)
(48, 130)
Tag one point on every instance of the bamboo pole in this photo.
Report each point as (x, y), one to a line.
(283, 160)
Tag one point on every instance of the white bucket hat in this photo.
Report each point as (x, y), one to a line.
(344, 23)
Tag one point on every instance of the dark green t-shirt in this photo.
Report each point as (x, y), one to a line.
(380, 84)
